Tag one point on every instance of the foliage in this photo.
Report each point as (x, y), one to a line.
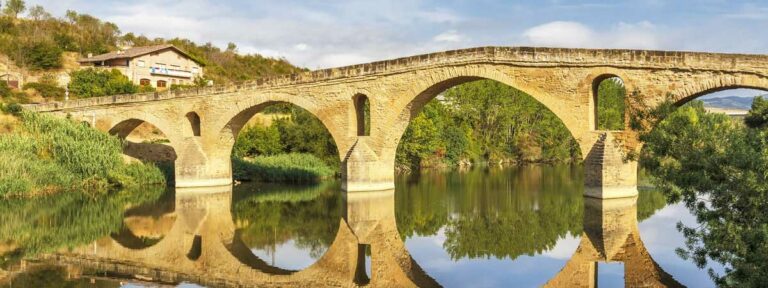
(14, 7)
(41, 55)
(283, 168)
(46, 90)
(258, 140)
(719, 168)
(5, 90)
(96, 82)
(485, 121)
(610, 104)
(758, 115)
(54, 155)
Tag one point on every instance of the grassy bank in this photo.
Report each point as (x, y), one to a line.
(48, 155)
(282, 168)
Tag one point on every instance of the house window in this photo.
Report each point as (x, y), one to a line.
(145, 82)
(194, 70)
(140, 63)
(161, 83)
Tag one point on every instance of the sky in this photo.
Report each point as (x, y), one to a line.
(323, 34)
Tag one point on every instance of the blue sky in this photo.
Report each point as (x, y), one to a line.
(321, 34)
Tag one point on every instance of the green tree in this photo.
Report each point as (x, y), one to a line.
(258, 140)
(94, 82)
(719, 168)
(758, 115)
(43, 55)
(14, 7)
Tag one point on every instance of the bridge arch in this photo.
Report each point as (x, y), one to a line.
(427, 93)
(235, 123)
(697, 89)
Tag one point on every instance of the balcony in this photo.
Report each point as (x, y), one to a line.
(170, 72)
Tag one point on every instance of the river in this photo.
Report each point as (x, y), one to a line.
(514, 227)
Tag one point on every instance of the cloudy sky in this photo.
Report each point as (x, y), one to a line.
(321, 34)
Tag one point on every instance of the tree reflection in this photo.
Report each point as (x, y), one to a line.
(501, 213)
(68, 220)
(276, 214)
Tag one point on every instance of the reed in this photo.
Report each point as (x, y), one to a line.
(49, 155)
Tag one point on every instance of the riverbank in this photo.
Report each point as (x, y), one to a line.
(45, 155)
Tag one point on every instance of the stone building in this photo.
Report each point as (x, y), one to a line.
(159, 66)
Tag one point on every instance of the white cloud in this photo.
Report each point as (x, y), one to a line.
(560, 34)
(449, 36)
(301, 47)
(640, 35)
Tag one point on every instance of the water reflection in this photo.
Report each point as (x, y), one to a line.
(527, 227)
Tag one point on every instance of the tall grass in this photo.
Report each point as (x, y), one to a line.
(283, 168)
(49, 155)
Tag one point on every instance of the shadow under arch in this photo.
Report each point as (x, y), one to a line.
(416, 104)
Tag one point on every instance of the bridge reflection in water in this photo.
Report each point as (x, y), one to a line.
(202, 246)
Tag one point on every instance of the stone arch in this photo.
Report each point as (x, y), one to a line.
(236, 121)
(194, 124)
(362, 114)
(440, 84)
(690, 91)
(152, 152)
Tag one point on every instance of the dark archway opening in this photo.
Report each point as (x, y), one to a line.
(194, 123)
(363, 114)
(609, 96)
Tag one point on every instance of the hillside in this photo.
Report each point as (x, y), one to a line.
(37, 43)
(729, 102)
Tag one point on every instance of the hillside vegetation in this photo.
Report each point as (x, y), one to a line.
(37, 41)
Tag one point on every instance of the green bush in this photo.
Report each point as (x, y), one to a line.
(96, 82)
(52, 155)
(46, 90)
(258, 140)
(43, 55)
(283, 168)
(5, 91)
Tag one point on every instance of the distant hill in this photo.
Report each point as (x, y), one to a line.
(729, 102)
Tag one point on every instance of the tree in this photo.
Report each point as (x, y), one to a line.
(38, 13)
(14, 7)
(719, 169)
(93, 82)
(758, 115)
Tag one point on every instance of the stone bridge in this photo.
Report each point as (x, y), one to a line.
(202, 124)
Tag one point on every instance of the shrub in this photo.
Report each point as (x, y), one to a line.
(46, 90)
(5, 91)
(284, 168)
(43, 55)
(95, 82)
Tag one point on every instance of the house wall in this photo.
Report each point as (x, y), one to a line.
(169, 59)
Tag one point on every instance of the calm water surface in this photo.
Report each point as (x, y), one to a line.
(521, 227)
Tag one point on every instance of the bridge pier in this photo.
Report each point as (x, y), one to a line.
(608, 174)
(363, 170)
(196, 167)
